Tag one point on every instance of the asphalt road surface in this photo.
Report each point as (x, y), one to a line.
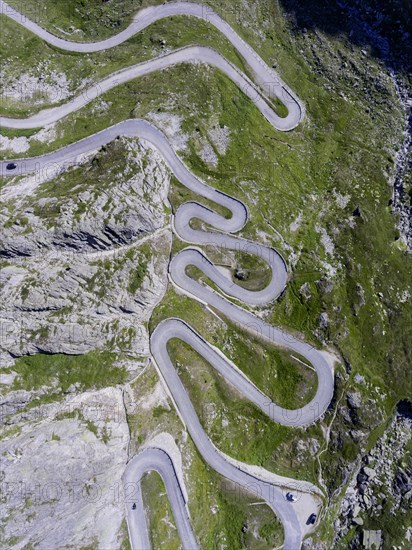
(220, 236)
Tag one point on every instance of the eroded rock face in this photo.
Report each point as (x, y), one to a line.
(85, 267)
(381, 485)
(81, 302)
(119, 194)
(61, 475)
(81, 268)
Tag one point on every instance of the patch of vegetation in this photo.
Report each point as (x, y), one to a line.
(250, 271)
(94, 545)
(10, 432)
(281, 375)
(137, 275)
(158, 411)
(92, 427)
(95, 369)
(162, 527)
(12, 541)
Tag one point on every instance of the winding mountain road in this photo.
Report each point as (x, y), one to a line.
(265, 77)
(183, 55)
(219, 237)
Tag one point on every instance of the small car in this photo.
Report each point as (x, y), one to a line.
(11, 166)
(311, 519)
(291, 497)
(134, 506)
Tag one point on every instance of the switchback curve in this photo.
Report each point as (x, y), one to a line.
(266, 78)
(154, 459)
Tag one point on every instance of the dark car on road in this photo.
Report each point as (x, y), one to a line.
(11, 166)
(134, 506)
(311, 519)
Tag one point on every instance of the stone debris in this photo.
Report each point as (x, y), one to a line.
(384, 478)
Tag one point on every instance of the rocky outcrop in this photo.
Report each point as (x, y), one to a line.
(61, 474)
(81, 272)
(402, 185)
(82, 302)
(115, 197)
(380, 487)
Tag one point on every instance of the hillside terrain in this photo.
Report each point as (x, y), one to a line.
(84, 258)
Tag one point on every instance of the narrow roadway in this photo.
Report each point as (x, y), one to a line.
(184, 55)
(266, 78)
